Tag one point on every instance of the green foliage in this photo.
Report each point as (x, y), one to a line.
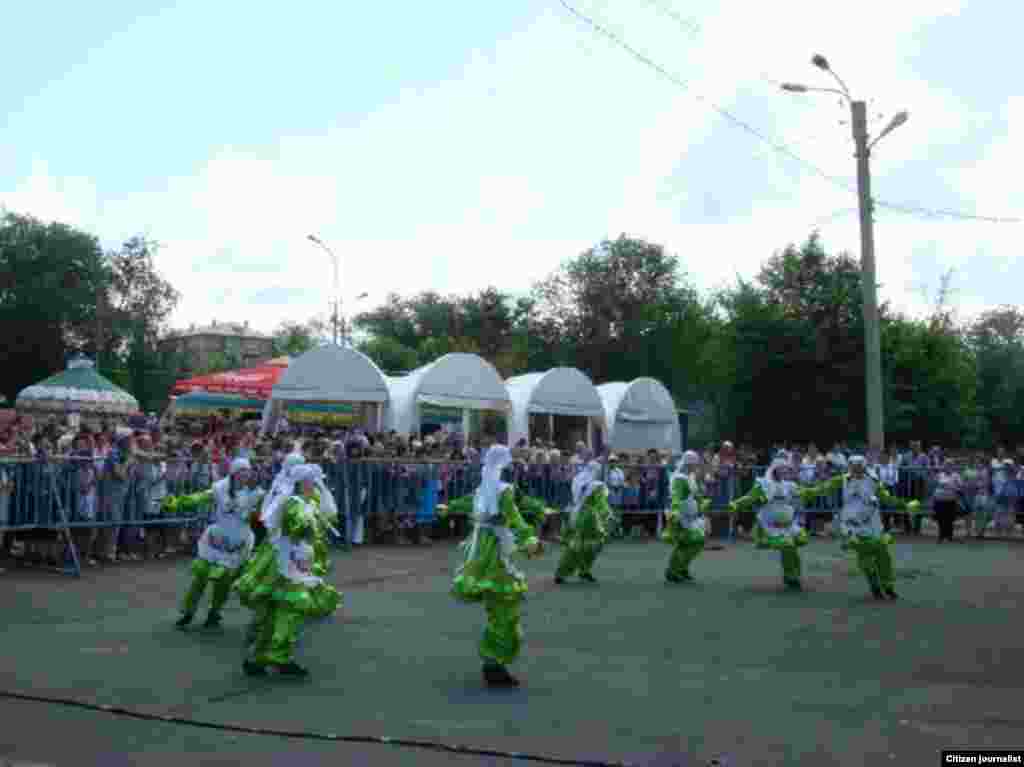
(59, 293)
(292, 339)
(997, 341)
(390, 355)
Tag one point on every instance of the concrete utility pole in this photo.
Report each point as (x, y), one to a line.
(869, 280)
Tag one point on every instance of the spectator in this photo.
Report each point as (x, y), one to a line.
(945, 500)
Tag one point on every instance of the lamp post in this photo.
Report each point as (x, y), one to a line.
(337, 293)
(869, 284)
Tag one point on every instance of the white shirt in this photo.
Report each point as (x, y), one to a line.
(616, 477)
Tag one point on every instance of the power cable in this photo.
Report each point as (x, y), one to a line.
(777, 146)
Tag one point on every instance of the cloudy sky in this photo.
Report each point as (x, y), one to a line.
(450, 146)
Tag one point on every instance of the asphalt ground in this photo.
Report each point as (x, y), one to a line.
(631, 670)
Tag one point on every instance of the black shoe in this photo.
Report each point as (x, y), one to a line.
(559, 580)
(212, 621)
(794, 585)
(498, 676)
(669, 578)
(252, 668)
(877, 592)
(183, 621)
(292, 669)
(891, 593)
(588, 578)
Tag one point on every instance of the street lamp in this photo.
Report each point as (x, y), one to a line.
(872, 340)
(337, 293)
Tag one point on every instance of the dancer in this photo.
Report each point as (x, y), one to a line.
(279, 585)
(269, 520)
(487, 573)
(686, 525)
(587, 532)
(860, 524)
(225, 544)
(777, 527)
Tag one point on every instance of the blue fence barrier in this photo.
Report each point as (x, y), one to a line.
(85, 493)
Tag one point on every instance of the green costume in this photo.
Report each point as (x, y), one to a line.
(686, 527)
(488, 574)
(280, 586)
(271, 518)
(776, 520)
(224, 546)
(588, 526)
(860, 525)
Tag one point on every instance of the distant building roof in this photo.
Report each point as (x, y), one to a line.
(230, 329)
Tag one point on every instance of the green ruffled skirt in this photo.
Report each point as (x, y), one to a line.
(777, 542)
(262, 585)
(486, 576)
(676, 535)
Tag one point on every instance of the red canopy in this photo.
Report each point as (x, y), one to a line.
(254, 382)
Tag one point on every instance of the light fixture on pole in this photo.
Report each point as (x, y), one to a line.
(337, 293)
(872, 334)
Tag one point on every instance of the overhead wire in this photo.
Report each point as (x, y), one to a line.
(777, 146)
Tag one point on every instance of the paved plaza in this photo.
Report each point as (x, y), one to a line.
(631, 670)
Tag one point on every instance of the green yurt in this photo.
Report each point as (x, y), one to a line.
(78, 389)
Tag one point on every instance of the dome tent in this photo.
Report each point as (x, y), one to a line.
(457, 381)
(640, 415)
(80, 388)
(557, 392)
(330, 374)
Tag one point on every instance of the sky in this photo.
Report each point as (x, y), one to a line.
(453, 146)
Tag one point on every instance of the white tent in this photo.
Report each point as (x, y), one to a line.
(640, 415)
(463, 382)
(558, 392)
(331, 374)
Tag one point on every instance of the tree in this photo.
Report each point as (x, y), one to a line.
(598, 301)
(136, 294)
(294, 338)
(997, 340)
(49, 278)
(391, 356)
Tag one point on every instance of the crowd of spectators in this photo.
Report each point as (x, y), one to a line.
(108, 467)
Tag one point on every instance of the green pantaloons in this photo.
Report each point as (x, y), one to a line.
(203, 573)
(578, 561)
(874, 560)
(503, 637)
(686, 548)
(277, 635)
(260, 615)
(791, 567)
(789, 552)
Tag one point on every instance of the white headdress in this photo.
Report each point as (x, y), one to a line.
(239, 464)
(690, 458)
(295, 470)
(770, 481)
(583, 484)
(485, 501)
